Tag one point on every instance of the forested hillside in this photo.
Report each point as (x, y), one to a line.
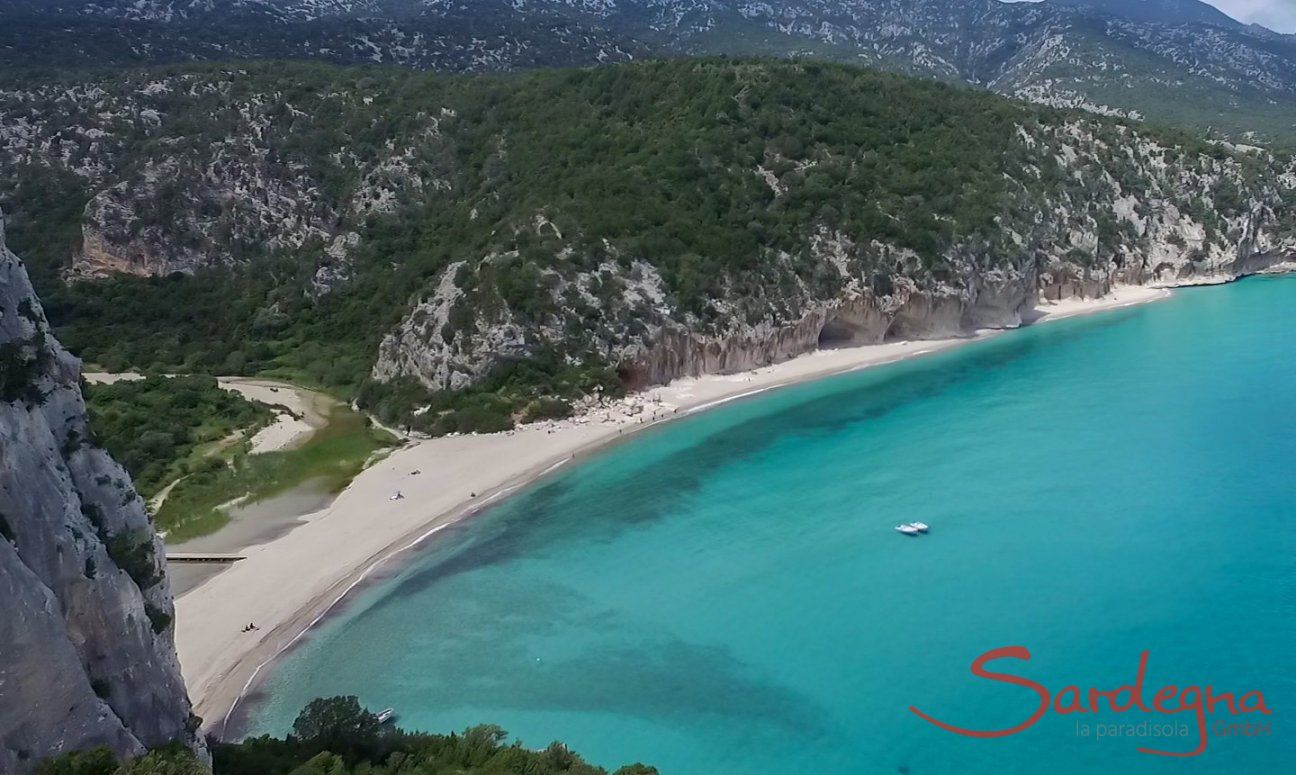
(483, 245)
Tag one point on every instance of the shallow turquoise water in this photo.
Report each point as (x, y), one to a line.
(726, 594)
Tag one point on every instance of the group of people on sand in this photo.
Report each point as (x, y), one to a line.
(250, 627)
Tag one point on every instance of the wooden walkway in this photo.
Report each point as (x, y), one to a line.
(203, 557)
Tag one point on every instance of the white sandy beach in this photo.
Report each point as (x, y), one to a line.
(288, 584)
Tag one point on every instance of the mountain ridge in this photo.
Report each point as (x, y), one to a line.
(1159, 11)
(1077, 53)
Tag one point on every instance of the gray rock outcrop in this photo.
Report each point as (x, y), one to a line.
(86, 651)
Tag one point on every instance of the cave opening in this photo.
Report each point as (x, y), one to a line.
(630, 377)
(836, 334)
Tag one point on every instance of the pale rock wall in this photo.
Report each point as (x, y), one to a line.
(87, 652)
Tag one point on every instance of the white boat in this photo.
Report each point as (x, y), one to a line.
(919, 526)
(908, 530)
(386, 715)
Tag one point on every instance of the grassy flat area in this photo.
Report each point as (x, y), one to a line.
(335, 454)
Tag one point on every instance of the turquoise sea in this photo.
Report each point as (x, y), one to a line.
(726, 594)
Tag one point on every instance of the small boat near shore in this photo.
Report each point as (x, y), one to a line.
(908, 530)
(386, 715)
(919, 526)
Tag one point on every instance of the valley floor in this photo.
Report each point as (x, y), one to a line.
(298, 412)
(288, 584)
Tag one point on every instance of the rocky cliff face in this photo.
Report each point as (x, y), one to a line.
(86, 651)
(1123, 209)
(185, 171)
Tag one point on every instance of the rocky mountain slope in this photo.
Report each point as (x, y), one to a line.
(85, 609)
(1158, 11)
(482, 243)
(478, 35)
(1174, 61)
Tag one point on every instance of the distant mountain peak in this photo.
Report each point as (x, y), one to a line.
(1158, 11)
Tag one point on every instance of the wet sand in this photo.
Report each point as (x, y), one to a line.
(250, 525)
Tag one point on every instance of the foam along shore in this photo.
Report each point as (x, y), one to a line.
(289, 584)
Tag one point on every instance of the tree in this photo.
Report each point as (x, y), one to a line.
(172, 760)
(323, 764)
(338, 725)
(97, 761)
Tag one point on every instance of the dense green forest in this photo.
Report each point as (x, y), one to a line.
(154, 426)
(336, 736)
(581, 209)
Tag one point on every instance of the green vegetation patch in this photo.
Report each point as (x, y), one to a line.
(337, 736)
(133, 553)
(169, 760)
(535, 389)
(333, 455)
(157, 427)
(160, 620)
(22, 362)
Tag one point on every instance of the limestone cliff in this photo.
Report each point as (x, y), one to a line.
(85, 607)
(1089, 209)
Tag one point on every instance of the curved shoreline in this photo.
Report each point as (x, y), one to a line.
(288, 586)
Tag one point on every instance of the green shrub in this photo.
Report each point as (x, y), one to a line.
(22, 362)
(159, 619)
(547, 408)
(134, 555)
(170, 760)
(97, 761)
